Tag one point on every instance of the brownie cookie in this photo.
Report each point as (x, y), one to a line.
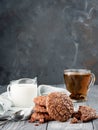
(38, 108)
(84, 114)
(87, 113)
(40, 100)
(41, 117)
(59, 106)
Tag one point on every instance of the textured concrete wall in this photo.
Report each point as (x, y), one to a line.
(44, 37)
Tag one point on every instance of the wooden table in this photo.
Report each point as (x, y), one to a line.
(54, 125)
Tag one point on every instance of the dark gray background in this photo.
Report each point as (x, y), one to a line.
(44, 37)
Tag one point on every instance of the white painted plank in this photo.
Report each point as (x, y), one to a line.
(32, 126)
(93, 97)
(93, 102)
(95, 124)
(23, 125)
(54, 125)
(12, 125)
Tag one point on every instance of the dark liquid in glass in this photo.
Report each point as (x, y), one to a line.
(77, 84)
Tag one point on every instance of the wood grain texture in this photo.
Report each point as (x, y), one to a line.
(93, 102)
(23, 125)
(54, 125)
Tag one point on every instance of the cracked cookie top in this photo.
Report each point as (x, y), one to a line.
(59, 106)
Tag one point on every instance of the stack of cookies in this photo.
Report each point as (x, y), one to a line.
(55, 106)
(40, 112)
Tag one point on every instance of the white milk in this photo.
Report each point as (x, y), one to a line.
(22, 95)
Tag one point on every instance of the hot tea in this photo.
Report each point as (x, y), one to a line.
(78, 82)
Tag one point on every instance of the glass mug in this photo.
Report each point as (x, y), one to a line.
(78, 82)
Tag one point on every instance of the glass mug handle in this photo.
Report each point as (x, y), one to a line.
(8, 91)
(92, 80)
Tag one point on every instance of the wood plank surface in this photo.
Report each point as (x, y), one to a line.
(23, 125)
(55, 125)
(93, 102)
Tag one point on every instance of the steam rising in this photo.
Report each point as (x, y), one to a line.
(76, 54)
(82, 19)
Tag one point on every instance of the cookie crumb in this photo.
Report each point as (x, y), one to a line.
(74, 120)
(37, 124)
